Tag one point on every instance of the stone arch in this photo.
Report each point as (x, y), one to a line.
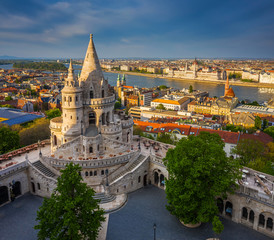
(156, 178)
(228, 209)
(145, 180)
(220, 205)
(162, 180)
(261, 222)
(16, 189)
(33, 187)
(4, 194)
(244, 213)
(269, 224)
(251, 216)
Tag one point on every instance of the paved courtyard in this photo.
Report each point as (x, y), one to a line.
(134, 221)
(147, 206)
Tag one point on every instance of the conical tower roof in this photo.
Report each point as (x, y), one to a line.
(91, 65)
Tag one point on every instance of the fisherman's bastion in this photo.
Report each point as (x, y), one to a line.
(114, 162)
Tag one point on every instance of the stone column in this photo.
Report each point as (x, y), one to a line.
(256, 219)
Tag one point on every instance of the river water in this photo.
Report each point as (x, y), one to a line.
(251, 93)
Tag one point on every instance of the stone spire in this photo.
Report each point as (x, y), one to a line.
(71, 81)
(91, 65)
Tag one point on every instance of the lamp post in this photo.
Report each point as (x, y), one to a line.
(154, 229)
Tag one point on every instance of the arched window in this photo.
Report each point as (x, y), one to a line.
(139, 179)
(70, 99)
(269, 224)
(244, 213)
(102, 172)
(38, 186)
(251, 216)
(95, 173)
(76, 99)
(90, 173)
(90, 149)
(261, 220)
(86, 174)
(91, 94)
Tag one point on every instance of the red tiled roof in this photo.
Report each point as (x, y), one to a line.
(261, 136)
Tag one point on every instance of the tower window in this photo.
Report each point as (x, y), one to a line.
(76, 99)
(91, 94)
(65, 99)
(70, 99)
(103, 93)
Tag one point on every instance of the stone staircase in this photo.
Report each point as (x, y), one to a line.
(129, 169)
(42, 168)
(104, 198)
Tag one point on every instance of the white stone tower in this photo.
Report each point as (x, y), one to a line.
(72, 107)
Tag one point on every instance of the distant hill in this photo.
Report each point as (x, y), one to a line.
(8, 57)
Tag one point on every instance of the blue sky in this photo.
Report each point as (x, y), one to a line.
(138, 28)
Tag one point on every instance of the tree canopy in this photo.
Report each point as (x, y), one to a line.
(9, 140)
(52, 113)
(71, 212)
(39, 130)
(199, 172)
(161, 106)
(270, 131)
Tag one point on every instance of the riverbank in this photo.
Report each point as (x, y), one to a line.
(206, 81)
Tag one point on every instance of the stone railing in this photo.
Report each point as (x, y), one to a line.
(114, 174)
(156, 159)
(127, 123)
(102, 101)
(111, 141)
(52, 180)
(111, 128)
(55, 125)
(68, 144)
(94, 163)
(255, 194)
(13, 168)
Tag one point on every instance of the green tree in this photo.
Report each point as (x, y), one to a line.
(71, 212)
(9, 140)
(199, 172)
(248, 150)
(270, 131)
(52, 113)
(161, 107)
(165, 138)
(162, 87)
(218, 227)
(190, 89)
(39, 130)
(137, 130)
(265, 124)
(258, 122)
(8, 98)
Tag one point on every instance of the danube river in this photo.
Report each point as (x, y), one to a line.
(252, 93)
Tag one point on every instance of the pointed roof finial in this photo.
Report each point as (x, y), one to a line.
(91, 36)
(70, 65)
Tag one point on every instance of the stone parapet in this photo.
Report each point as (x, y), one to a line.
(102, 101)
(90, 164)
(12, 169)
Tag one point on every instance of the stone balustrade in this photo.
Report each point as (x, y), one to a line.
(111, 128)
(102, 101)
(94, 163)
(13, 168)
(127, 123)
